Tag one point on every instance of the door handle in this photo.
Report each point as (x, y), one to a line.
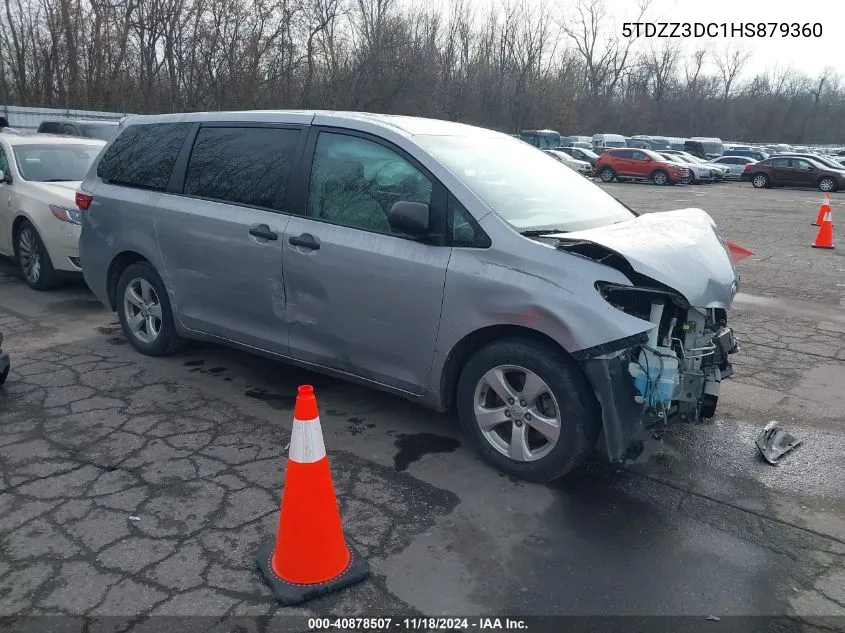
(306, 240)
(263, 231)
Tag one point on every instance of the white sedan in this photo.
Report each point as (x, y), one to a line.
(39, 220)
(581, 166)
(735, 165)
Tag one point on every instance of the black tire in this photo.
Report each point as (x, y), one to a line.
(578, 408)
(760, 181)
(607, 174)
(827, 184)
(168, 341)
(46, 277)
(4, 375)
(660, 177)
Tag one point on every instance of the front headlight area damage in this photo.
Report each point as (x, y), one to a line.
(670, 373)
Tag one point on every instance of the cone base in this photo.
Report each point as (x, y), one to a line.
(288, 593)
(815, 246)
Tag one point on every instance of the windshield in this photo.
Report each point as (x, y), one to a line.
(671, 158)
(712, 148)
(615, 144)
(51, 163)
(103, 132)
(526, 188)
(585, 153)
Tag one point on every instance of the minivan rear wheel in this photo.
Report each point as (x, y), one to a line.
(143, 309)
(527, 409)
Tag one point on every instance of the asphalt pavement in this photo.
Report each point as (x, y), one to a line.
(134, 486)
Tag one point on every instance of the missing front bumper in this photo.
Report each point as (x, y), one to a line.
(627, 422)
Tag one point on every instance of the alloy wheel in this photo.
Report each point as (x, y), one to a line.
(142, 309)
(517, 413)
(29, 252)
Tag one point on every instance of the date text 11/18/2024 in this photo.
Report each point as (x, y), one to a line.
(416, 624)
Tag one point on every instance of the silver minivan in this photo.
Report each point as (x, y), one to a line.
(452, 265)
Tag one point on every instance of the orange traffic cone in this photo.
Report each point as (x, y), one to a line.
(824, 239)
(310, 556)
(822, 210)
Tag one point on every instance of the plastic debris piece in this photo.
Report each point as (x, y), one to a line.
(774, 442)
(134, 518)
(714, 618)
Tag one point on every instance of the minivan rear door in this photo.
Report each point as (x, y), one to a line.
(220, 228)
(363, 299)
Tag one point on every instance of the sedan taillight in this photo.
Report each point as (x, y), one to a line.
(83, 200)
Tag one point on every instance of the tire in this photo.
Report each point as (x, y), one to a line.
(33, 258)
(760, 181)
(147, 286)
(827, 184)
(607, 174)
(564, 388)
(659, 177)
(4, 375)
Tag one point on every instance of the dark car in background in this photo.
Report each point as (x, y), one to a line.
(103, 130)
(795, 172)
(823, 160)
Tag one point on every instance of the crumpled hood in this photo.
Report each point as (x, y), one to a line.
(680, 249)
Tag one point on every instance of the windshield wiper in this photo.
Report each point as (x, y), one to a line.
(541, 232)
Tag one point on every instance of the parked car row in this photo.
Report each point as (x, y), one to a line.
(661, 168)
(343, 242)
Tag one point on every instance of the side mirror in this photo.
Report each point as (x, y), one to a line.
(5, 177)
(410, 218)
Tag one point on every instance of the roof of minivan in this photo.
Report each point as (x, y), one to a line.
(407, 125)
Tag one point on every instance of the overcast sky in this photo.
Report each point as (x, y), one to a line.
(806, 54)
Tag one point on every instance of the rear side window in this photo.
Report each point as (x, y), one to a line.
(143, 155)
(780, 162)
(247, 165)
(49, 127)
(622, 153)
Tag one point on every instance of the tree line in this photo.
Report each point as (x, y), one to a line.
(512, 66)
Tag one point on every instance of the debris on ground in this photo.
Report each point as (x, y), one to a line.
(774, 442)
(134, 518)
(714, 618)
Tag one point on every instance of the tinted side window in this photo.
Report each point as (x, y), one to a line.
(143, 155)
(242, 165)
(69, 130)
(4, 162)
(49, 127)
(622, 153)
(637, 155)
(780, 162)
(462, 228)
(355, 182)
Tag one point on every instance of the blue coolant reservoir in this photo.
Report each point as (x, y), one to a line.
(656, 376)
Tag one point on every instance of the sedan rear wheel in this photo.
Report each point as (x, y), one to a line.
(760, 181)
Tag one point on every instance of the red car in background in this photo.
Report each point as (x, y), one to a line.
(638, 164)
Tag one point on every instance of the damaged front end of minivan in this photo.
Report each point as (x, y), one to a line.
(683, 287)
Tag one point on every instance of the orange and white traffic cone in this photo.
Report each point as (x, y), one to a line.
(824, 239)
(310, 556)
(822, 210)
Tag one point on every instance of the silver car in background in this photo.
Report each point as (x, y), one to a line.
(452, 265)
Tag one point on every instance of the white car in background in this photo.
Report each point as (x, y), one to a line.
(734, 165)
(39, 220)
(698, 172)
(581, 166)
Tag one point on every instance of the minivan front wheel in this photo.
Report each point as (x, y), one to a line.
(527, 409)
(144, 311)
